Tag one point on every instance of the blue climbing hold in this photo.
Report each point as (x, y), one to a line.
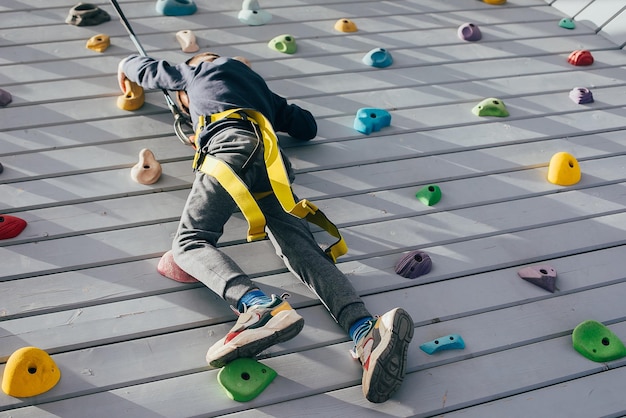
(378, 57)
(369, 119)
(176, 7)
(449, 342)
(251, 14)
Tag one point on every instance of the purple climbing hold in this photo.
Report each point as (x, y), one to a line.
(5, 97)
(414, 264)
(543, 276)
(469, 32)
(581, 95)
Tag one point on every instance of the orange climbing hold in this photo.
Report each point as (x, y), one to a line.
(133, 99)
(99, 43)
(30, 371)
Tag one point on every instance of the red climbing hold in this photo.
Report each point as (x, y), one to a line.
(167, 267)
(11, 226)
(580, 57)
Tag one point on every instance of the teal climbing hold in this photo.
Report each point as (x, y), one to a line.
(251, 14)
(176, 7)
(449, 342)
(567, 23)
(595, 341)
(378, 57)
(429, 195)
(283, 43)
(491, 107)
(245, 378)
(369, 119)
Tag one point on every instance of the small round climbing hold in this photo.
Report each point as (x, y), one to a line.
(147, 170)
(378, 57)
(284, 43)
(567, 23)
(580, 57)
(414, 264)
(167, 267)
(5, 97)
(86, 14)
(176, 7)
(29, 371)
(251, 14)
(469, 32)
(99, 43)
(134, 97)
(369, 119)
(496, 2)
(491, 107)
(187, 40)
(11, 226)
(581, 95)
(564, 169)
(429, 195)
(598, 343)
(345, 25)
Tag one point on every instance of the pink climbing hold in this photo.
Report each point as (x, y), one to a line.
(543, 276)
(167, 267)
(11, 226)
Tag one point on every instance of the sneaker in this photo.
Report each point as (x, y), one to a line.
(257, 328)
(383, 354)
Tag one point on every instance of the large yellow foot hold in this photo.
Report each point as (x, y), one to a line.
(133, 99)
(564, 169)
(147, 170)
(30, 371)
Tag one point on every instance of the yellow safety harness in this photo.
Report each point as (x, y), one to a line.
(279, 181)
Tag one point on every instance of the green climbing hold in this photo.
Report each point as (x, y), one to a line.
(283, 43)
(245, 378)
(567, 23)
(491, 107)
(429, 195)
(596, 342)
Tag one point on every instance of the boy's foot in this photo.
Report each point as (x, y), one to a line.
(258, 328)
(383, 354)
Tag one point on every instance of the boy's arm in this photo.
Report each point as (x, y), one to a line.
(150, 73)
(296, 121)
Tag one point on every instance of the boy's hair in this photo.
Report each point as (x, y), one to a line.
(181, 95)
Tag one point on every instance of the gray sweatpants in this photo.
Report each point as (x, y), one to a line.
(208, 208)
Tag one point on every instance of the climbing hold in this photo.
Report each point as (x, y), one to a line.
(133, 99)
(567, 23)
(147, 170)
(414, 264)
(86, 14)
(251, 14)
(429, 195)
(595, 341)
(167, 267)
(581, 95)
(469, 32)
(449, 342)
(187, 41)
(378, 57)
(542, 276)
(29, 371)
(1, 168)
(5, 97)
(245, 378)
(176, 7)
(563, 169)
(99, 43)
(580, 57)
(495, 1)
(491, 107)
(370, 120)
(345, 25)
(11, 226)
(283, 43)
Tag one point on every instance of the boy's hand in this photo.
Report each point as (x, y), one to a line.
(121, 77)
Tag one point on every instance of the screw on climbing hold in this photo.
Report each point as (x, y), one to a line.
(469, 32)
(567, 23)
(86, 14)
(251, 14)
(495, 1)
(134, 97)
(284, 43)
(543, 276)
(176, 7)
(491, 107)
(449, 342)
(429, 195)
(11, 226)
(29, 371)
(414, 264)
(378, 57)
(167, 267)
(147, 170)
(580, 57)
(245, 378)
(564, 170)
(187, 40)
(99, 43)
(581, 95)
(345, 25)
(5, 97)
(595, 341)
(369, 119)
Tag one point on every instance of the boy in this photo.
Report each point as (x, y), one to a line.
(208, 84)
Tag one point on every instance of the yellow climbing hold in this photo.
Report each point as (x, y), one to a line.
(495, 1)
(30, 371)
(345, 25)
(99, 43)
(134, 97)
(563, 169)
